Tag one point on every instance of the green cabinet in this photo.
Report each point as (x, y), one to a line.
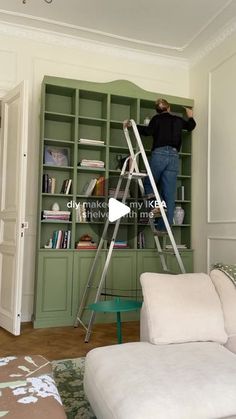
(71, 111)
(54, 289)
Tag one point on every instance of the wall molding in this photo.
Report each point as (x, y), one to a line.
(95, 40)
(71, 41)
(209, 146)
(209, 238)
(226, 32)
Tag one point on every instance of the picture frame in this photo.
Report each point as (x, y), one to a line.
(56, 156)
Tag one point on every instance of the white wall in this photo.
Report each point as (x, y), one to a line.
(31, 54)
(213, 87)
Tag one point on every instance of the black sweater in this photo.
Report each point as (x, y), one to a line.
(166, 129)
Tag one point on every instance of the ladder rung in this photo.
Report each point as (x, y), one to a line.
(137, 175)
(160, 233)
(167, 252)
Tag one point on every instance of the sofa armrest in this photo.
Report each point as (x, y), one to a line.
(144, 329)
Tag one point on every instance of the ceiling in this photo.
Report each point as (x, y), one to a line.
(178, 28)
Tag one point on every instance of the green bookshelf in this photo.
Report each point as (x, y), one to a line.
(72, 110)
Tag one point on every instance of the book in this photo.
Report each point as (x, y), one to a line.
(89, 187)
(50, 215)
(48, 184)
(80, 213)
(91, 142)
(53, 185)
(99, 189)
(92, 163)
(66, 186)
(180, 193)
(86, 244)
(60, 240)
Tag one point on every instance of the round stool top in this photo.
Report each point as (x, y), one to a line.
(115, 305)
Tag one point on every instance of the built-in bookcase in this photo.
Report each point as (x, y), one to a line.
(72, 110)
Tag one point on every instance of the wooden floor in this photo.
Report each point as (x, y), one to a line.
(63, 342)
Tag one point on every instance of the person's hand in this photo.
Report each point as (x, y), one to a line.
(189, 112)
(126, 123)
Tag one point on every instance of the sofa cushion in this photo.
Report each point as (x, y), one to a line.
(227, 293)
(182, 308)
(144, 381)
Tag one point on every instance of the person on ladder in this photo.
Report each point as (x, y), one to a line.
(166, 130)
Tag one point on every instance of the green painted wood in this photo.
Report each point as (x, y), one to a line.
(54, 289)
(73, 109)
(118, 87)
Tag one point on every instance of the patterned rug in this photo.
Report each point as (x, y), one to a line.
(68, 375)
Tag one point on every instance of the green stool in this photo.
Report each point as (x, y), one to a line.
(116, 306)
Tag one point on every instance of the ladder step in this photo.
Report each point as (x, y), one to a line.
(136, 175)
(166, 252)
(160, 233)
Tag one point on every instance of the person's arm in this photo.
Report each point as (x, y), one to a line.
(145, 130)
(190, 124)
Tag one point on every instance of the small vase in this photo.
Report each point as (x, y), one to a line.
(146, 120)
(178, 215)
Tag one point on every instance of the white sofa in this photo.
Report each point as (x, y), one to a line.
(185, 365)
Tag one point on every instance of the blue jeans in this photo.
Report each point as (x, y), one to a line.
(164, 164)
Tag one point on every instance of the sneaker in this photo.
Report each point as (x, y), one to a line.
(149, 196)
(156, 212)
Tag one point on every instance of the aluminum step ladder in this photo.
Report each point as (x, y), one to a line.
(132, 173)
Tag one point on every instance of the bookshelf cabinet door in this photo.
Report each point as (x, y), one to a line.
(122, 280)
(54, 289)
(187, 258)
(147, 261)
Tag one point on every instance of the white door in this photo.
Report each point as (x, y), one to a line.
(13, 164)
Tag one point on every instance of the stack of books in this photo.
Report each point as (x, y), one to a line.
(49, 184)
(50, 215)
(81, 216)
(86, 245)
(120, 244)
(59, 240)
(92, 163)
(90, 142)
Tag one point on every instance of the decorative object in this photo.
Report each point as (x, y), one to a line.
(178, 215)
(68, 375)
(55, 206)
(56, 156)
(49, 244)
(146, 120)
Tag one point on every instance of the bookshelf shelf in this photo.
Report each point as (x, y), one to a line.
(91, 169)
(59, 168)
(57, 195)
(55, 222)
(72, 110)
(51, 141)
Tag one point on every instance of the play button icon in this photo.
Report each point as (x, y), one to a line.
(116, 210)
